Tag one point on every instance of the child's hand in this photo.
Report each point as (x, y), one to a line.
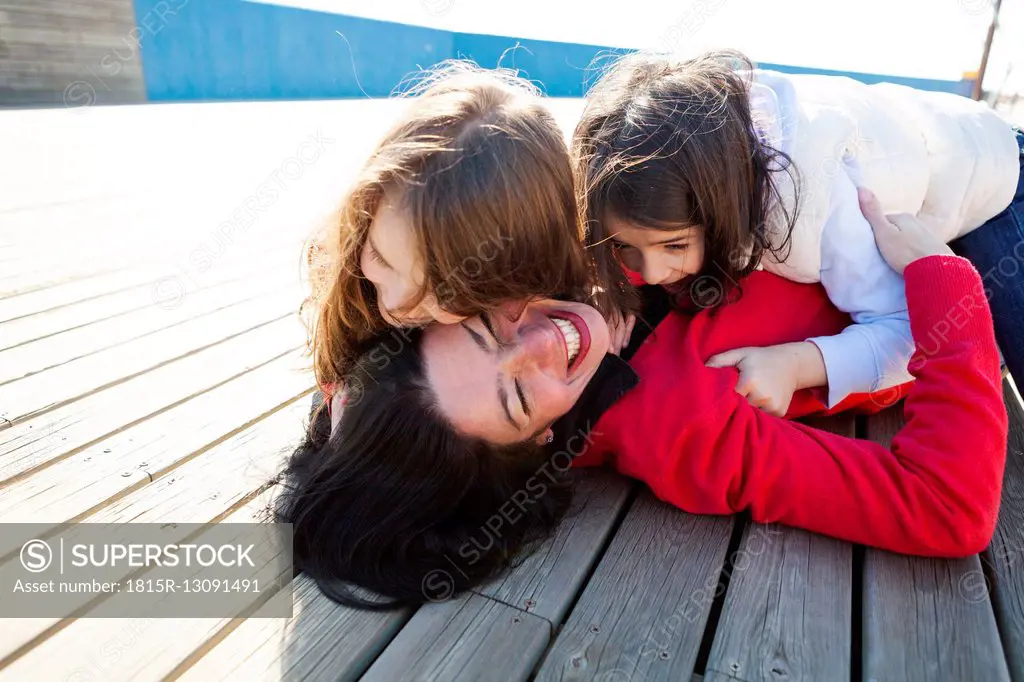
(769, 376)
(901, 238)
(619, 331)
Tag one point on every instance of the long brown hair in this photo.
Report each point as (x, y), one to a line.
(667, 144)
(484, 174)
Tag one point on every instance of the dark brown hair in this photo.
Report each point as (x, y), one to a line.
(667, 144)
(484, 173)
(402, 505)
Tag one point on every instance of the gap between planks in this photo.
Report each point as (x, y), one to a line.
(277, 429)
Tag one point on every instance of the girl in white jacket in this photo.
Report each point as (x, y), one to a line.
(692, 174)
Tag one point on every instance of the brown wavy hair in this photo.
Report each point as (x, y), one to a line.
(484, 172)
(667, 144)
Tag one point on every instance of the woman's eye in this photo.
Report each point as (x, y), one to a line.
(522, 398)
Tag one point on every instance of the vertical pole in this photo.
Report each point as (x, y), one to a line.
(988, 48)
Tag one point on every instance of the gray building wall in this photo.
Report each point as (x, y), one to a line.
(73, 52)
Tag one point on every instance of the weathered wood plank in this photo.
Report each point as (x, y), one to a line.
(46, 391)
(69, 429)
(90, 271)
(547, 582)
(322, 642)
(61, 348)
(926, 619)
(203, 490)
(119, 649)
(1005, 556)
(99, 475)
(549, 578)
(787, 611)
(106, 281)
(220, 479)
(471, 638)
(643, 612)
(45, 324)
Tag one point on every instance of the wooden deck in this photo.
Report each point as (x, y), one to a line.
(136, 386)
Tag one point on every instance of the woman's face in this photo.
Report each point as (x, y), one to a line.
(660, 256)
(392, 262)
(507, 380)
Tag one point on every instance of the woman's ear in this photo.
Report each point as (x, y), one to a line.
(545, 437)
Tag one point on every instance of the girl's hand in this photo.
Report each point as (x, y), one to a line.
(619, 331)
(901, 238)
(769, 376)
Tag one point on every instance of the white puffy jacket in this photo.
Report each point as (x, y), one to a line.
(951, 161)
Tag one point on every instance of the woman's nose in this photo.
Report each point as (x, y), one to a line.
(536, 345)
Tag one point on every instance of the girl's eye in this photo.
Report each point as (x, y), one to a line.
(375, 255)
(489, 324)
(677, 247)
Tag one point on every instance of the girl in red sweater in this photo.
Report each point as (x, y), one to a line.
(439, 465)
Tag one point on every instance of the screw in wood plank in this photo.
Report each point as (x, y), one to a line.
(126, 474)
(530, 604)
(106, 449)
(595, 629)
(664, 655)
(517, 619)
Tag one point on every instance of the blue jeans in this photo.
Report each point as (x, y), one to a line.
(997, 250)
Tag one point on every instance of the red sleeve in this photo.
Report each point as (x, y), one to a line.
(934, 492)
(634, 278)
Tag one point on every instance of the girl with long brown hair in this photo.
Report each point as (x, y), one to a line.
(466, 204)
(693, 173)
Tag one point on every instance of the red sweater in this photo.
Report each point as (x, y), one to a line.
(700, 446)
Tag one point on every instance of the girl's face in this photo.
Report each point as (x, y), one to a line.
(506, 379)
(660, 256)
(391, 261)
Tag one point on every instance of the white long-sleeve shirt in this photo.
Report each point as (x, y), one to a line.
(949, 160)
(873, 353)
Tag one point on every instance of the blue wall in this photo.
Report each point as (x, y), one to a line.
(232, 49)
(961, 87)
(228, 49)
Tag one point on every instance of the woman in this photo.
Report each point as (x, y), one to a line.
(467, 202)
(446, 444)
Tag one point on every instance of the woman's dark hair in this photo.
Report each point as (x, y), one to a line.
(399, 503)
(668, 144)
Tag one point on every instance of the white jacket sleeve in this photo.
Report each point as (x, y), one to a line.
(873, 353)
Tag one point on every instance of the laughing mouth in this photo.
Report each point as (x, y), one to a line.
(572, 338)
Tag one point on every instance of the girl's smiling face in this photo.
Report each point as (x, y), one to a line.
(390, 260)
(661, 257)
